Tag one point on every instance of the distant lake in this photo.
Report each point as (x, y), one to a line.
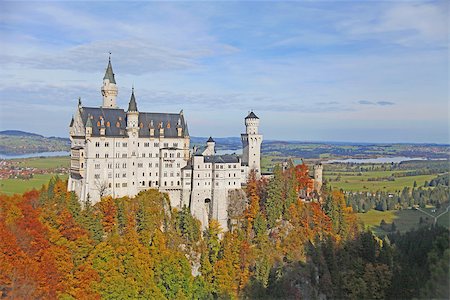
(38, 154)
(378, 160)
(222, 152)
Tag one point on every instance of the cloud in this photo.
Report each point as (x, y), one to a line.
(365, 102)
(380, 103)
(383, 103)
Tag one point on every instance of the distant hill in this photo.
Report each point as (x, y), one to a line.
(16, 142)
(19, 133)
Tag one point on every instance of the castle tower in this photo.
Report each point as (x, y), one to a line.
(133, 135)
(109, 88)
(210, 147)
(251, 144)
(318, 180)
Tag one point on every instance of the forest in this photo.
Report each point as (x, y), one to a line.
(279, 247)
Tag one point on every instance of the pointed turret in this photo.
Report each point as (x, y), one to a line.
(109, 88)
(132, 106)
(109, 74)
(132, 114)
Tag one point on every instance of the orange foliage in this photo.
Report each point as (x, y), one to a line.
(109, 211)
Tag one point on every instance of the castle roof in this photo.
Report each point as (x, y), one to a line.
(109, 74)
(225, 158)
(116, 122)
(251, 115)
(210, 140)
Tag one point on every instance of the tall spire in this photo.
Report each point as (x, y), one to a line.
(132, 106)
(109, 87)
(109, 74)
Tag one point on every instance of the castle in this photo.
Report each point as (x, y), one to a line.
(120, 153)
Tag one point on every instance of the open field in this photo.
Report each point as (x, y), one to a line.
(18, 186)
(44, 162)
(354, 183)
(405, 220)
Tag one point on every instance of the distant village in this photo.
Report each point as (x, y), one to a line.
(12, 169)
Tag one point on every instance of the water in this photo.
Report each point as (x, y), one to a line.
(378, 160)
(222, 152)
(38, 154)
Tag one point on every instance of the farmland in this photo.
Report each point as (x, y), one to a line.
(18, 186)
(404, 220)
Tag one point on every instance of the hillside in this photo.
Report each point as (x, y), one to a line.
(14, 142)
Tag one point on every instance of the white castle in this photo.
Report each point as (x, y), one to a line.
(121, 153)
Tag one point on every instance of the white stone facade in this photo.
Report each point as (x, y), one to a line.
(121, 153)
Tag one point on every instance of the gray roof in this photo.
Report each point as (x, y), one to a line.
(251, 115)
(132, 106)
(210, 140)
(115, 120)
(226, 158)
(109, 74)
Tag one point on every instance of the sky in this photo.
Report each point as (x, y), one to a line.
(372, 71)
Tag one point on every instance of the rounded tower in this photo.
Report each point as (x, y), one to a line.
(109, 88)
(318, 180)
(251, 144)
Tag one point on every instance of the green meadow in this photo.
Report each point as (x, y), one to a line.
(44, 162)
(405, 220)
(18, 186)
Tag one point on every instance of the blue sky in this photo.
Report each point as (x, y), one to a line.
(318, 71)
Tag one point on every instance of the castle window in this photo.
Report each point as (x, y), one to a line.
(156, 144)
(117, 175)
(165, 183)
(178, 154)
(118, 124)
(106, 144)
(98, 123)
(178, 165)
(97, 144)
(171, 183)
(138, 144)
(156, 165)
(166, 145)
(141, 125)
(150, 165)
(156, 181)
(117, 185)
(198, 175)
(168, 124)
(124, 144)
(140, 165)
(124, 184)
(156, 155)
(97, 176)
(143, 154)
(165, 155)
(149, 183)
(97, 155)
(178, 183)
(106, 155)
(165, 174)
(124, 165)
(108, 124)
(124, 175)
(171, 174)
(109, 175)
